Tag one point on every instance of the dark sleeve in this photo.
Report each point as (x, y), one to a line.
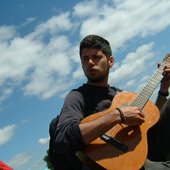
(68, 133)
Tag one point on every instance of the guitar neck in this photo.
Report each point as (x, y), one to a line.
(148, 90)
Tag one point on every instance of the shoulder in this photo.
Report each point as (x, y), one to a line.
(81, 91)
(116, 89)
(75, 94)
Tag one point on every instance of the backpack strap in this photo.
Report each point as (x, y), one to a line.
(117, 90)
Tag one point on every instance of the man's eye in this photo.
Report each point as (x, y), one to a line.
(96, 57)
(84, 58)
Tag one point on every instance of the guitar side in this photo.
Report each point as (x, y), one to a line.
(135, 137)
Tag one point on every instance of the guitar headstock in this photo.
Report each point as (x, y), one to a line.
(167, 58)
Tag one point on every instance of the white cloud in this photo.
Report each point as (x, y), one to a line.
(28, 21)
(5, 92)
(130, 83)
(47, 59)
(6, 133)
(50, 75)
(133, 64)
(44, 141)
(78, 74)
(27, 162)
(31, 60)
(6, 33)
(127, 19)
(39, 164)
(19, 160)
(86, 8)
(52, 26)
(17, 58)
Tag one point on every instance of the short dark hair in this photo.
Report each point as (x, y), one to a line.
(97, 42)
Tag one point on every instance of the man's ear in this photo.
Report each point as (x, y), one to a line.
(111, 61)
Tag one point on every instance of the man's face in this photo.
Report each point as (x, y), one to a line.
(95, 64)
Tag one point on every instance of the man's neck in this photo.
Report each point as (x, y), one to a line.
(99, 84)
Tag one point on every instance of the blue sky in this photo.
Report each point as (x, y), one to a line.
(39, 61)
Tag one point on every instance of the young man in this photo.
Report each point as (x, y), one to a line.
(92, 97)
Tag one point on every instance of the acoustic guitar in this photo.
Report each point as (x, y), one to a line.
(125, 147)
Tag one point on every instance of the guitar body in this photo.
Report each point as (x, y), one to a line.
(135, 137)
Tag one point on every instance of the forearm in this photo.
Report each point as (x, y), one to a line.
(161, 98)
(93, 127)
(97, 127)
(69, 138)
(160, 101)
(164, 87)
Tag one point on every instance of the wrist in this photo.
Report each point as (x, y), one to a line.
(122, 116)
(162, 93)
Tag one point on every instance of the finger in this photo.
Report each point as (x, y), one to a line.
(158, 65)
(167, 67)
(140, 121)
(141, 115)
(137, 108)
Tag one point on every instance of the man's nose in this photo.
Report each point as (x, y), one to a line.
(91, 61)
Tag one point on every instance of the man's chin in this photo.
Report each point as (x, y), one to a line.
(96, 80)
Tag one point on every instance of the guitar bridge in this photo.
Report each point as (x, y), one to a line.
(109, 139)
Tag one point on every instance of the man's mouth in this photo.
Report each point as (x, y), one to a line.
(92, 70)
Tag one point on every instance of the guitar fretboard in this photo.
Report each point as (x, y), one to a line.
(148, 90)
